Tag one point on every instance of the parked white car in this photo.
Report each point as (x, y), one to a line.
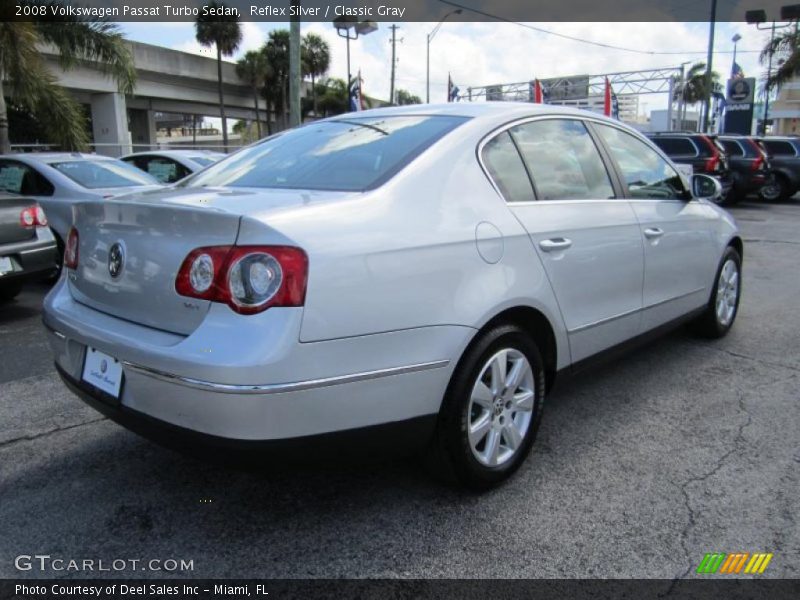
(427, 269)
(169, 166)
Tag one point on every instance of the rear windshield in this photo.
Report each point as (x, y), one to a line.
(94, 174)
(351, 154)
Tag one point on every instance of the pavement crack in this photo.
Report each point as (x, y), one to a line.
(36, 436)
(768, 363)
(738, 442)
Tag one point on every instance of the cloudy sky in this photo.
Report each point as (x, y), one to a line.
(488, 53)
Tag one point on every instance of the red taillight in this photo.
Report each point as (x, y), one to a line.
(758, 163)
(714, 162)
(32, 216)
(249, 279)
(71, 250)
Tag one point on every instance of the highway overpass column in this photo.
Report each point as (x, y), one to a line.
(142, 124)
(110, 124)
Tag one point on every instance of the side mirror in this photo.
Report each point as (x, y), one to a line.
(706, 187)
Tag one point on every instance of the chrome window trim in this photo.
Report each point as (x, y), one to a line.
(584, 119)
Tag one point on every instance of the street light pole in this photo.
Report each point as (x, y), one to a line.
(428, 53)
(343, 26)
(709, 61)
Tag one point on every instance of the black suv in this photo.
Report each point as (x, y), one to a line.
(748, 163)
(702, 151)
(784, 158)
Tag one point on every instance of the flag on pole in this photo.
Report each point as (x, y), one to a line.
(355, 93)
(452, 90)
(538, 96)
(607, 99)
(736, 71)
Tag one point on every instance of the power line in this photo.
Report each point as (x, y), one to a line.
(582, 40)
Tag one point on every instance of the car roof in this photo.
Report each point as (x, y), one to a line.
(49, 157)
(183, 153)
(489, 111)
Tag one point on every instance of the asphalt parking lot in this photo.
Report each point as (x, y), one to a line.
(641, 467)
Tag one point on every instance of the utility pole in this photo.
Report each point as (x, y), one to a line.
(707, 99)
(394, 29)
(294, 66)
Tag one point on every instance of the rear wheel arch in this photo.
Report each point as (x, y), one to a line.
(537, 326)
(737, 244)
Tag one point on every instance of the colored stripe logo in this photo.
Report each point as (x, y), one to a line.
(734, 564)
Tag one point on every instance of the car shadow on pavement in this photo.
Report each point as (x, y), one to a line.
(99, 490)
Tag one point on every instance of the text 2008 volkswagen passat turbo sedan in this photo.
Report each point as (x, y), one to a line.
(427, 270)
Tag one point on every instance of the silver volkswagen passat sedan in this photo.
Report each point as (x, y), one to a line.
(425, 270)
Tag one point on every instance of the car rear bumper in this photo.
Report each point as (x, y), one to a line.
(239, 390)
(31, 258)
(360, 443)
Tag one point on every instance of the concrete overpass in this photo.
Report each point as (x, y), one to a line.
(167, 81)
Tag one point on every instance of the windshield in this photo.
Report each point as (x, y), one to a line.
(349, 154)
(94, 174)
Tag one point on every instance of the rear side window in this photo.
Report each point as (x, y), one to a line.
(353, 154)
(675, 146)
(164, 169)
(505, 166)
(732, 147)
(562, 160)
(19, 178)
(779, 148)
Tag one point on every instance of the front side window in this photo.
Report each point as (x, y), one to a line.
(345, 154)
(505, 166)
(645, 172)
(95, 174)
(563, 160)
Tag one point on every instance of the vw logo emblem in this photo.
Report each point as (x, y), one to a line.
(116, 260)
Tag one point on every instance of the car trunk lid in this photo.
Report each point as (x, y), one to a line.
(154, 238)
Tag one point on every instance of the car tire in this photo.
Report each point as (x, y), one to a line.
(777, 190)
(723, 306)
(9, 291)
(486, 429)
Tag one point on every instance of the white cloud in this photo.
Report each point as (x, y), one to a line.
(478, 54)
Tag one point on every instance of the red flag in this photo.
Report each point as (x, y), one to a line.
(607, 99)
(537, 92)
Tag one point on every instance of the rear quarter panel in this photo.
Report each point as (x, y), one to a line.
(405, 255)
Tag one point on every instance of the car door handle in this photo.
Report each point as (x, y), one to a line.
(555, 244)
(652, 233)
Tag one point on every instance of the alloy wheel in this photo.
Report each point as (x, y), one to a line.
(501, 407)
(727, 292)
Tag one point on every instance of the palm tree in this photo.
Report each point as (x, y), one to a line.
(783, 50)
(406, 97)
(277, 52)
(35, 88)
(253, 69)
(694, 85)
(316, 58)
(215, 27)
